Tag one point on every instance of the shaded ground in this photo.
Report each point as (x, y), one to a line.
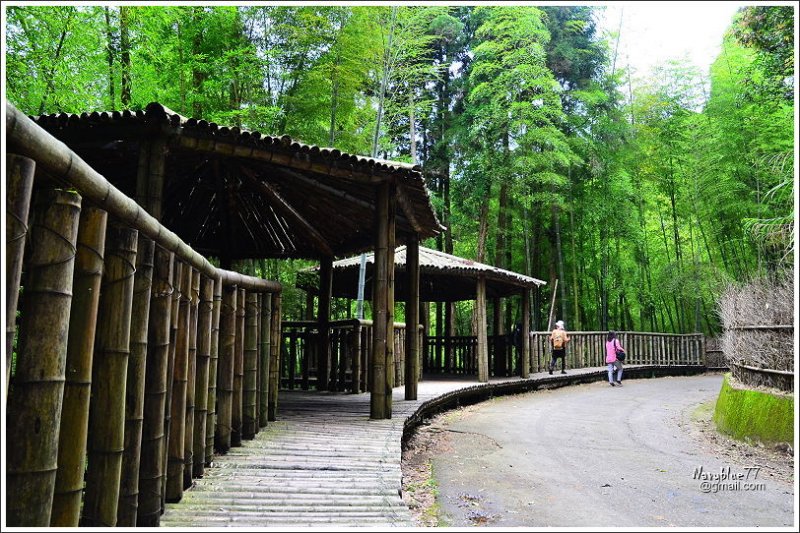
(592, 455)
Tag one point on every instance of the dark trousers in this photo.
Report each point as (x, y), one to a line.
(558, 354)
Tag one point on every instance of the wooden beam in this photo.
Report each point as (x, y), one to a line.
(412, 318)
(525, 356)
(274, 363)
(391, 370)
(480, 326)
(380, 306)
(264, 357)
(287, 210)
(323, 322)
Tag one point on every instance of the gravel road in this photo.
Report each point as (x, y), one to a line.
(593, 455)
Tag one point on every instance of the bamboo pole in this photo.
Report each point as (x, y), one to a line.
(390, 349)
(36, 393)
(204, 326)
(323, 320)
(259, 368)
(250, 385)
(356, 373)
(180, 273)
(380, 306)
(412, 318)
(191, 380)
(274, 365)
(525, 356)
(264, 347)
(211, 419)
(19, 185)
(109, 376)
(177, 431)
(135, 384)
(480, 326)
(152, 466)
(238, 371)
(227, 348)
(80, 351)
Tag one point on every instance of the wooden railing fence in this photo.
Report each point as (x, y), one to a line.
(136, 357)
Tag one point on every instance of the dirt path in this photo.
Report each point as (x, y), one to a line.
(593, 455)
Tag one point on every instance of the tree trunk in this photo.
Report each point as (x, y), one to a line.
(125, 56)
(110, 56)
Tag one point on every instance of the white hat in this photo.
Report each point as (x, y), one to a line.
(560, 323)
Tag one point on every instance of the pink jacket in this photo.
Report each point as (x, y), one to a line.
(611, 350)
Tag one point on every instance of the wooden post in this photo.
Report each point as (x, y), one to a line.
(227, 348)
(19, 184)
(80, 351)
(204, 326)
(356, 347)
(238, 371)
(377, 399)
(177, 429)
(191, 381)
(274, 365)
(109, 375)
(249, 392)
(152, 468)
(135, 384)
(178, 282)
(263, 354)
(211, 418)
(259, 367)
(323, 320)
(412, 318)
(480, 326)
(37, 387)
(525, 357)
(390, 350)
(425, 313)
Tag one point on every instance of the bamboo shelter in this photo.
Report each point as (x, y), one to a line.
(134, 349)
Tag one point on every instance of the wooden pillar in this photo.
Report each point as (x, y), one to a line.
(204, 326)
(191, 381)
(249, 393)
(259, 369)
(264, 358)
(227, 349)
(177, 430)
(109, 375)
(238, 371)
(211, 417)
(525, 356)
(19, 185)
(355, 384)
(380, 306)
(390, 345)
(135, 384)
(152, 467)
(178, 282)
(425, 313)
(274, 365)
(323, 321)
(80, 351)
(37, 387)
(480, 326)
(412, 318)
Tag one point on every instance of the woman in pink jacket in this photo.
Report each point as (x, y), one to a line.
(612, 345)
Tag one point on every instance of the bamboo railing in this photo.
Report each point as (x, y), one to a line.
(351, 355)
(123, 374)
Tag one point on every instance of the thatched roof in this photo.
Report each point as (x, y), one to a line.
(241, 194)
(443, 277)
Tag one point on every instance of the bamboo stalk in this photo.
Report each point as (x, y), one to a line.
(177, 432)
(227, 349)
(109, 376)
(36, 393)
(249, 392)
(274, 366)
(134, 388)
(355, 385)
(412, 318)
(323, 319)
(180, 273)
(191, 379)
(80, 351)
(204, 327)
(259, 368)
(390, 351)
(152, 466)
(380, 306)
(211, 419)
(19, 185)
(263, 354)
(238, 371)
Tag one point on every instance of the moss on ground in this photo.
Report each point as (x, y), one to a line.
(748, 414)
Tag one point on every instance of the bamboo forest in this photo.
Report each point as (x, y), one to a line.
(638, 200)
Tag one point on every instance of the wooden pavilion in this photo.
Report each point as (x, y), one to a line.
(446, 278)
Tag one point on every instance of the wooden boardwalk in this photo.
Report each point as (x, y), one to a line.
(323, 463)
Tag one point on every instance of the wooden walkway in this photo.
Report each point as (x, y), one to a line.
(323, 463)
